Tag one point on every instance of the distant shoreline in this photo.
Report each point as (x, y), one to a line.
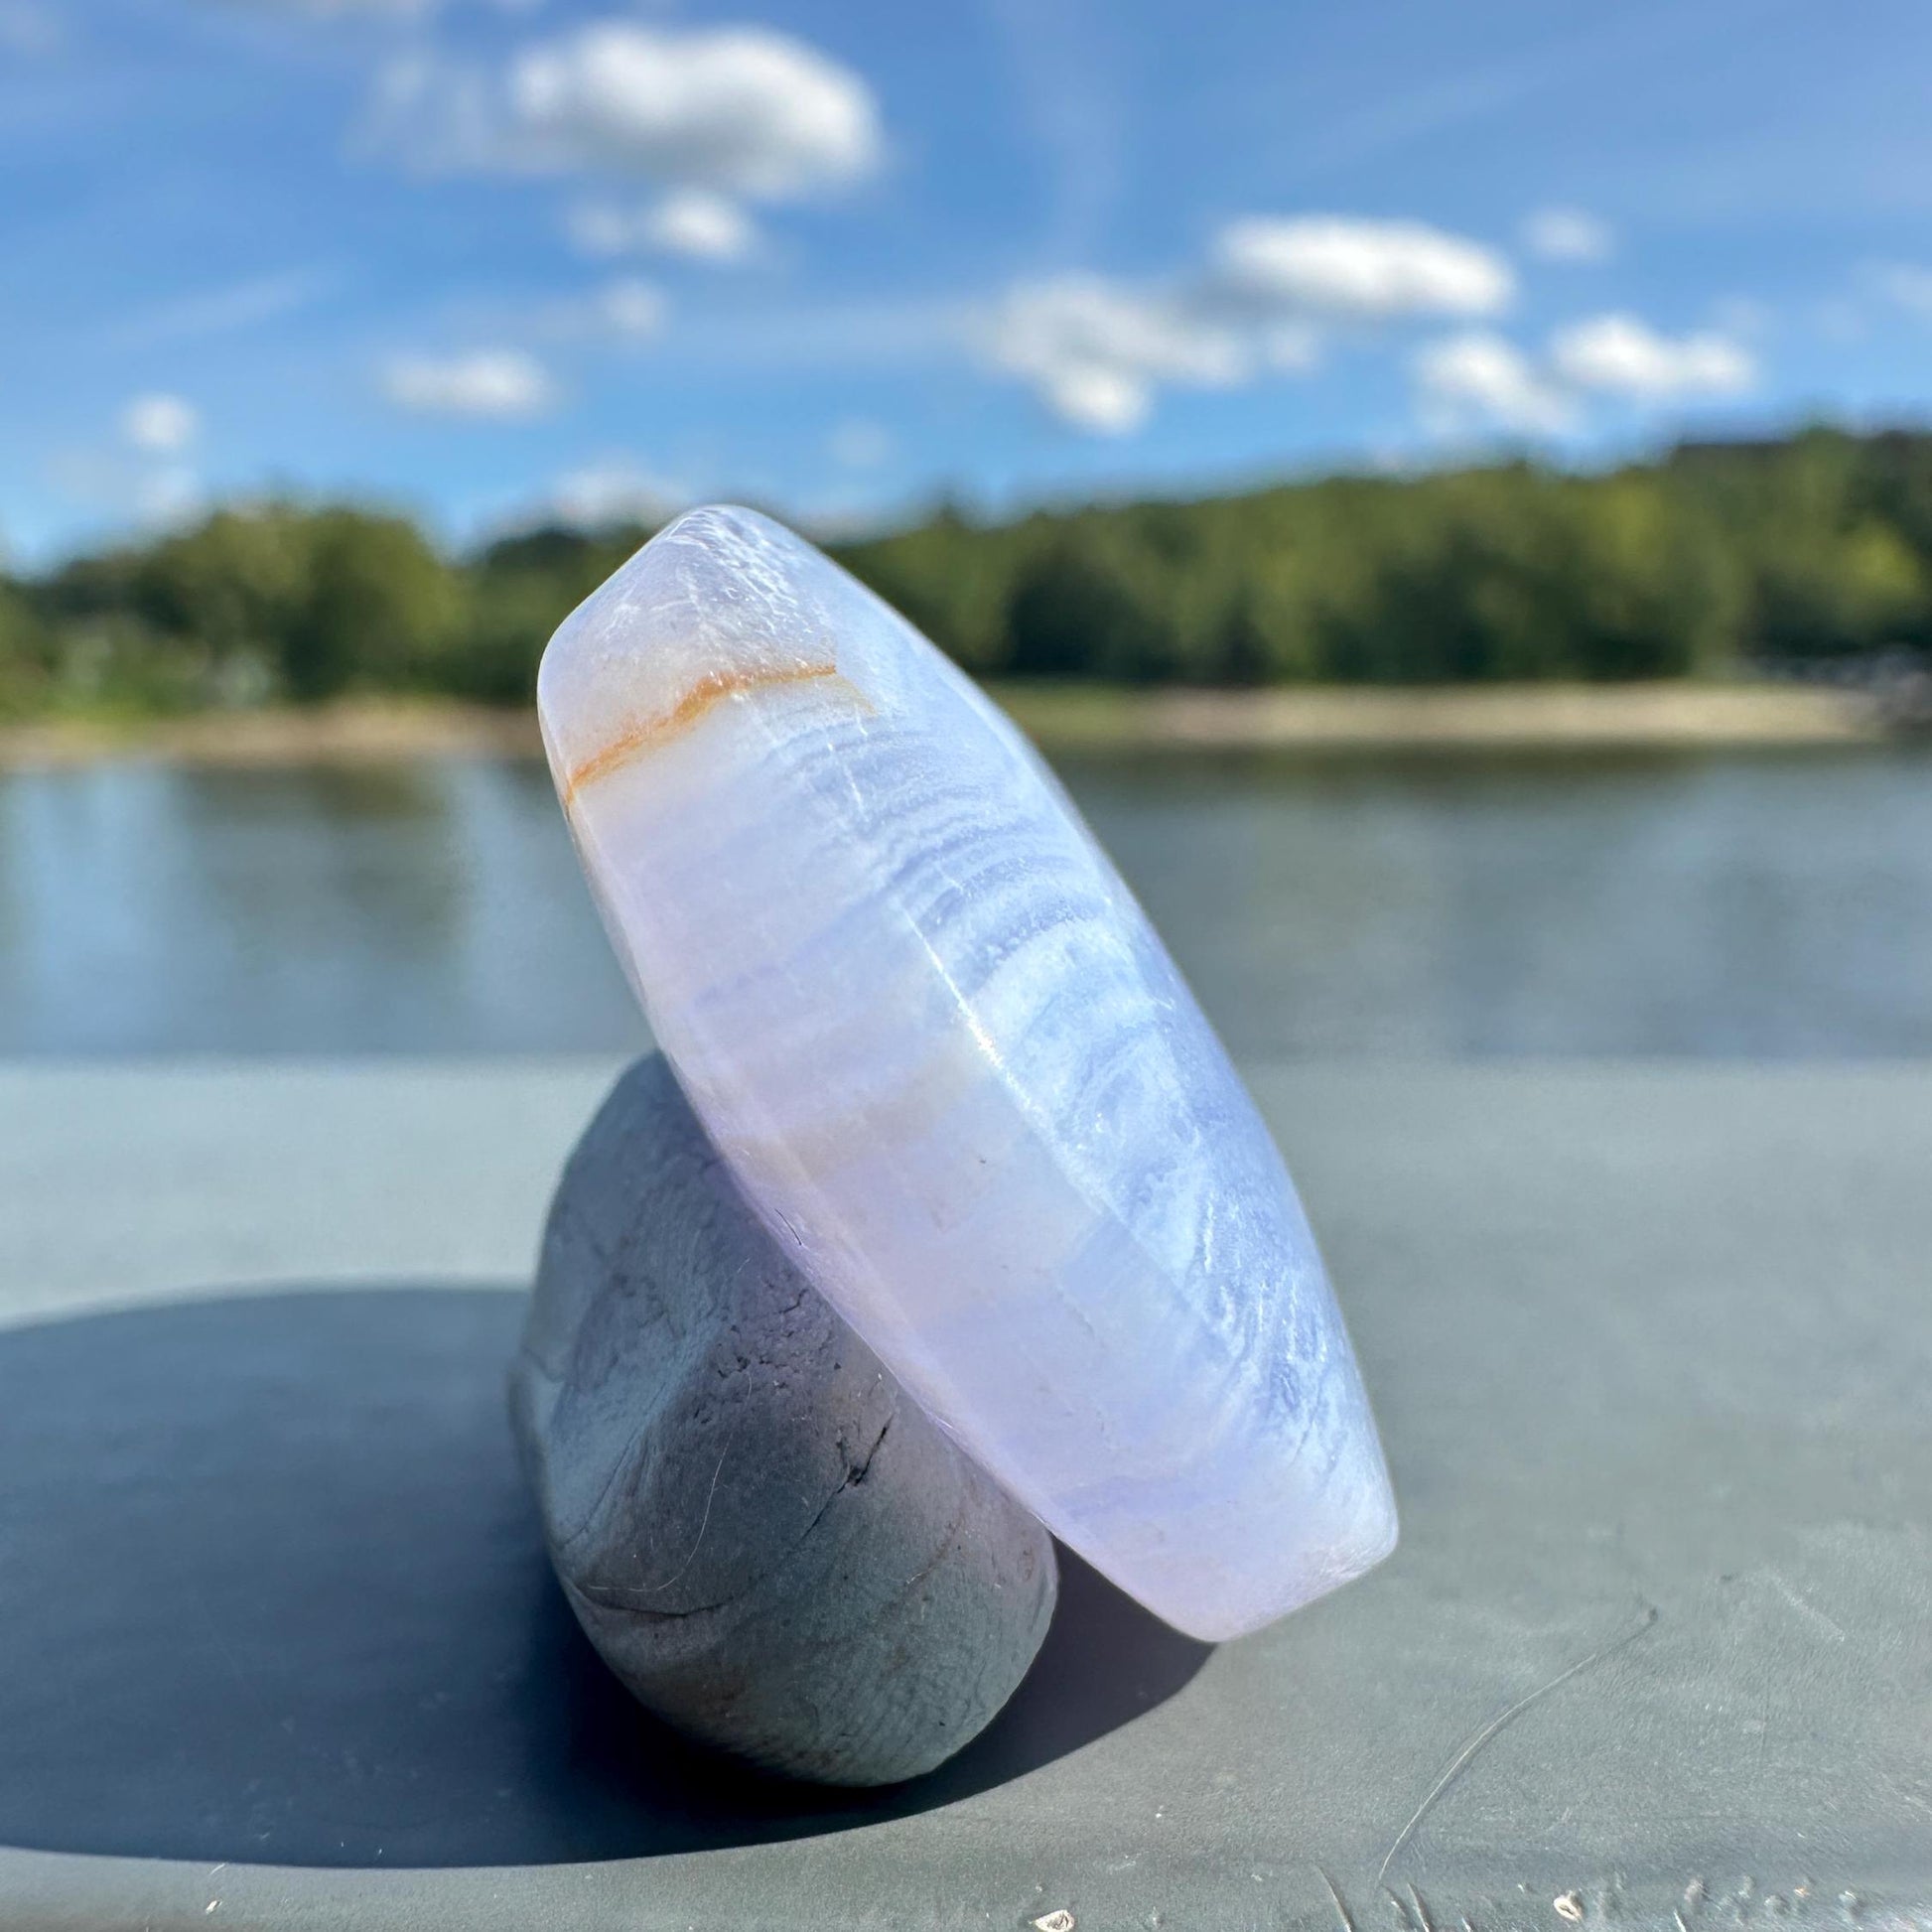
(1505, 717)
(1061, 718)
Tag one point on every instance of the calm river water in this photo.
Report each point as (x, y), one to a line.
(1766, 906)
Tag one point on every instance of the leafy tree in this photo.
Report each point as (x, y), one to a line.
(230, 587)
(1782, 551)
(24, 667)
(378, 609)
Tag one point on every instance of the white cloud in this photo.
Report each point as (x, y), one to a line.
(860, 444)
(1478, 381)
(1100, 400)
(227, 309)
(705, 225)
(613, 489)
(1358, 270)
(1272, 293)
(160, 424)
(695, 221)
(741, 111)
(1623, 356)
(1095, 350)
(1277, 294)
(503, 384)
(630, 308)
(1567, 234)
(1905, 283)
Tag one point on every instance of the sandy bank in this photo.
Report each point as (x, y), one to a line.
(1061, 718)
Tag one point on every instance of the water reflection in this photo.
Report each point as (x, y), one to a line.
(251, 862)
(1774, 905)
(424, 906)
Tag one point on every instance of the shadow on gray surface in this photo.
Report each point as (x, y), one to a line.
(270, 1590)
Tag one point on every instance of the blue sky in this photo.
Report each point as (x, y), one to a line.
(492, 259)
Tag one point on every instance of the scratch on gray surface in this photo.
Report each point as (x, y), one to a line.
(711, 1496)
(1461, 1761)
(1807, 1609)
(1335, 1892)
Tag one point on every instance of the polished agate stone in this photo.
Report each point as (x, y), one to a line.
(953, 1069)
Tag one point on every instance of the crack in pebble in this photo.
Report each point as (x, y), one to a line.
(616, 1596)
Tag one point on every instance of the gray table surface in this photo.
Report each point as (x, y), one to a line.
(1651, 1349)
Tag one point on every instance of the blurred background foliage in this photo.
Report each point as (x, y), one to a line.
(1716, 560)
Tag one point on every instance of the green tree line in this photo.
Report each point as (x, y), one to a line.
(1712, 559)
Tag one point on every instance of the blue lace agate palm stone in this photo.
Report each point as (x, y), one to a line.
(953, 1069)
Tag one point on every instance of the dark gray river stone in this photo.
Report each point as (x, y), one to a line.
(768, 1542)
